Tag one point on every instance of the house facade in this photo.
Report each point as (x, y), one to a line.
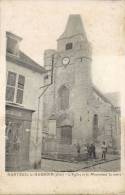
(23, 118)
(74, 110)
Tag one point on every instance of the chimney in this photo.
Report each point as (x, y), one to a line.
(13, 43)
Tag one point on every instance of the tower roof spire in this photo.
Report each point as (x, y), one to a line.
(74, 26)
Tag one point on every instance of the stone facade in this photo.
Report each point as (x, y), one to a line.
(82, 113)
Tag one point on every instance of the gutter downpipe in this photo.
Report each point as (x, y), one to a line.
(39, 98)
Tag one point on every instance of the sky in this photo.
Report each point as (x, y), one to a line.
(41, 22)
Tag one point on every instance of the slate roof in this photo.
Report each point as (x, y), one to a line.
(13, 36)
(111, 98)
(74, 27)
(114, 97)
(23, 60)
(100, 94)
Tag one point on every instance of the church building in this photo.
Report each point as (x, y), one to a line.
(74, 110)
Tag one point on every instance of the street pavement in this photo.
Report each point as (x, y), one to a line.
(111, 164)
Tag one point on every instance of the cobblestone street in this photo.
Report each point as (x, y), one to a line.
(108, 167)
(111, 164)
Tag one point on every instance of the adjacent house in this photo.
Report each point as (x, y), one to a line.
(24, 77)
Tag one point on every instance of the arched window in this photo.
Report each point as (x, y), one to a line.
(63, 98)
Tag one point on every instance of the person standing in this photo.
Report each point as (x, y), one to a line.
(93, 150)
(86, 151)
(78, 148)
(104, 150)
(90, 150)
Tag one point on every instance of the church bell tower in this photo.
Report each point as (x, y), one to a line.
(72, 85)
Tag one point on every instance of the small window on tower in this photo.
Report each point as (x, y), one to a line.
(68, 46)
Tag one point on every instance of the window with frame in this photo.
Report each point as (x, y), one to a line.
(69, 46)
(15, 87)
(11, 84)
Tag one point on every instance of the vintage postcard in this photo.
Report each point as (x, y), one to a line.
(62, 112)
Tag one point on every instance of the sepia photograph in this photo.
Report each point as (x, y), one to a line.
(57, 119)
(63, 76)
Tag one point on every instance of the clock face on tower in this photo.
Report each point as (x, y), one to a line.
(65, 60)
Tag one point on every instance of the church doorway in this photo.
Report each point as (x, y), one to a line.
(66, 135)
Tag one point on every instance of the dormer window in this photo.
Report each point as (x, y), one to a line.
(13, 43)
(12, 46)
(69, 46)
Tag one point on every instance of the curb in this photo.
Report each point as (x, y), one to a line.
(93, 165)
(54, 159)
(85, 167)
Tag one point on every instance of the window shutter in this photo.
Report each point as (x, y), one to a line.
(20, 90)
(10, 89)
